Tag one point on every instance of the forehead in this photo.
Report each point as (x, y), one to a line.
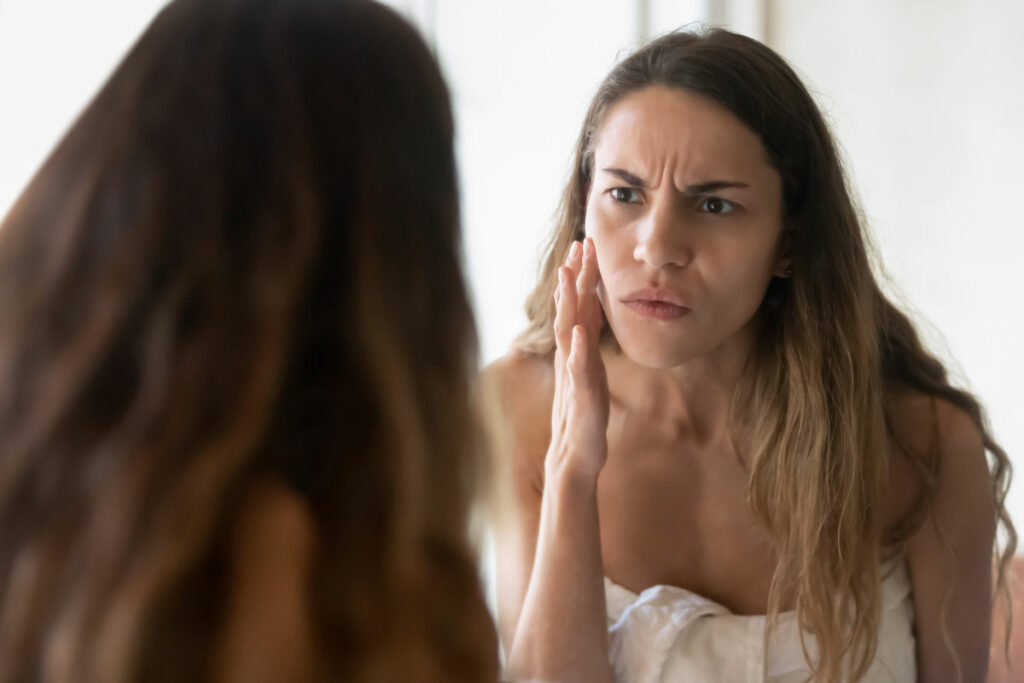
(658, 125)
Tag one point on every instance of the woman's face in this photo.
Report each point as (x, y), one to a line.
(686, 217)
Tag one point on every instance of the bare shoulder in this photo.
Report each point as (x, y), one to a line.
(274, 517)
(522, 381)
(924, 426)
(949, 555)
(268, 633)
(925, 423)
(964, 478)
(519, 389)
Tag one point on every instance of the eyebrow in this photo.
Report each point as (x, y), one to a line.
(690, 191)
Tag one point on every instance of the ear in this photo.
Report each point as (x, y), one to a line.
(783, 266)
(784, 262)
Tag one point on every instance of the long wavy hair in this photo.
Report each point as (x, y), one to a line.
(242, 261)
(831, 348)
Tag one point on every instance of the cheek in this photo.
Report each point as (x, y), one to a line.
(739, 283)
(610, 240)
(594, 221)
(599, 228)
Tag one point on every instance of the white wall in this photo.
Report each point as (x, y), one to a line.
(54, 55)
(926, 99)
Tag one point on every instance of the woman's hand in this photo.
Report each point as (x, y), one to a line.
(562, 631)
(579, 415)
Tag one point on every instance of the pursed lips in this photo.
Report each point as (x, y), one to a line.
(659, 303)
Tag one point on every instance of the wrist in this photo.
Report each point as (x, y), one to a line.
(569, 476)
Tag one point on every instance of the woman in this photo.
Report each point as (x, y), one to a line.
(235, 348)
(746, 437)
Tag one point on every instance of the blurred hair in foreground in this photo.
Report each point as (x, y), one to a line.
(242, 264)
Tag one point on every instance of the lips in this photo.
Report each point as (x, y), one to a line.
(660, 304)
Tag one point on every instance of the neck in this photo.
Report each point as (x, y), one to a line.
(694, 398)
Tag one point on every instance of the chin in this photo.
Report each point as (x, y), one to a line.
(650, 351)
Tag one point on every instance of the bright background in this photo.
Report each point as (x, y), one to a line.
(925, 98)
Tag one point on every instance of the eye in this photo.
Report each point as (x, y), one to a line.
(625, 195)
(716, 205)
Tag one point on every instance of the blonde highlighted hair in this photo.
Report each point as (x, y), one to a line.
(831, 348)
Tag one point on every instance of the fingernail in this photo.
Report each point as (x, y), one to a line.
(574, 250)
(577, 336)
(561, 276)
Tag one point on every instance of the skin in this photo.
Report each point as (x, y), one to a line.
(268, 632)
(636, 478)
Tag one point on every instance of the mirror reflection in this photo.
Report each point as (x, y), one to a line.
(726, 284)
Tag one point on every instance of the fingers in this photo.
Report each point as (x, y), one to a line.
(577, 361)
(576, 307)
(575, 259)
(586, 286)
(584, 372)
(587, 280)
(566, 310)
(566, 313)
(576, 368)
(566, 298)
(585, 309)
(579, 416)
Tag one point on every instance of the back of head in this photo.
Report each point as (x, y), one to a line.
(242, 261)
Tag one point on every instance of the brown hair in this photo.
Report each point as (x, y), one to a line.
(831, 347)
(242, 260)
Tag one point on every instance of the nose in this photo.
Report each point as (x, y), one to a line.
(662, 239)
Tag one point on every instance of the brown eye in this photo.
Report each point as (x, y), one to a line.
(716, 205)
(625, 195)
